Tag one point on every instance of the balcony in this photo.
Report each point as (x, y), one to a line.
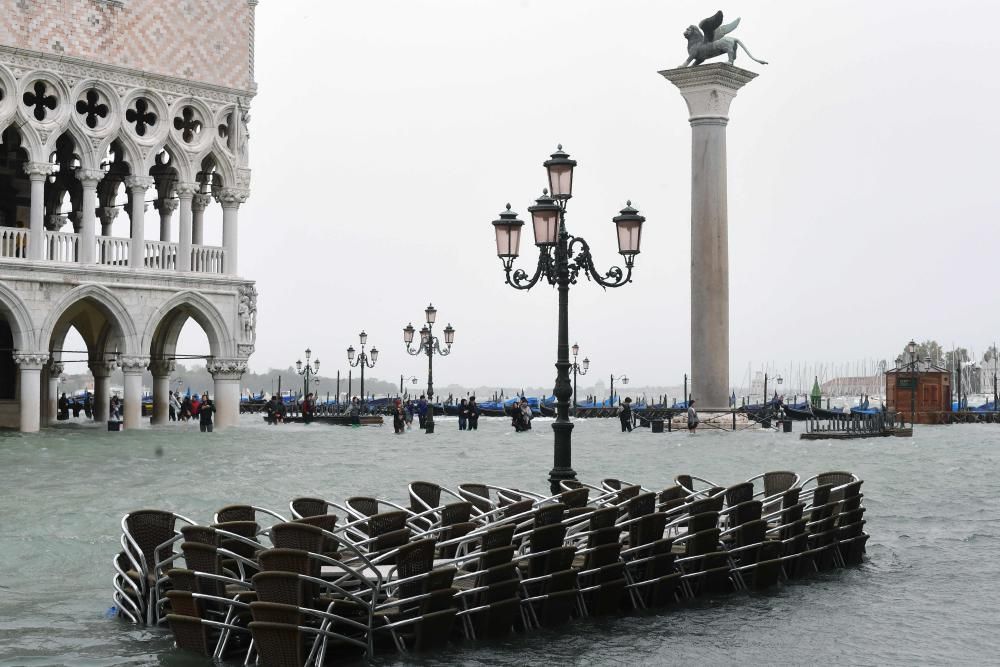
(110, 251)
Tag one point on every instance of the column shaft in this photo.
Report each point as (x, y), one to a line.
(102, 398)
(227, 402)
(29, 389)
(185, 195)
(137, 249)
(52, 398)
(198, 204)
(161, 399)
(37, 172)
(230, 215)
(133, 368)
(89, 178)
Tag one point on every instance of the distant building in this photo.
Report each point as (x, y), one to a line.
(106, 105)
(919, 390)
(868, 385)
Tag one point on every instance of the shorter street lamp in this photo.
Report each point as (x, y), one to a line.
(412, 378)
(307, 371)
(577, 368)
(362, 359)
(624, 380)
(911, 349)
(429, 345)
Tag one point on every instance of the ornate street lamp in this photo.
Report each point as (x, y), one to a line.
(561, 260)
(578, 369)
(307, 370)
(362, 359)
(623, 379)
(402, 379)
(429, 345)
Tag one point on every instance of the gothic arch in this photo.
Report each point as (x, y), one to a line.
(223, 165)
(160, 337)
(83, 147)
(19, 319)
(118, 327)
(30, 141)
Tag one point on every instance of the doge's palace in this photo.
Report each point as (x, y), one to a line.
(108, 108)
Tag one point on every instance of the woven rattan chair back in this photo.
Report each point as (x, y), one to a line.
(612, 484)
(295, 535)
(477, 494)
(751, 532)
(424, 493)
(453, 513)
(453, 532)
(287, 560)
(498, 536)
(546, 515)
(834, 478)
(363, 505)
(496, 556)
(190, 634)
(183, 579)
(272, 612)
(281, 587)
(647, 529)
(310, 506)
(412, 559)
(791, 497)
(604, 517)
(184, 603)
(703, 542)
(386, 522)
(236, 513)
(674, 492)
(546, 537)
(515, 508)
(702, 521)
(150, 529)
(279, 644)
(778, 481)
(202, 534)
(750, 510)
(739, 493)
(641, 505)
(685, 482)
(575, 498)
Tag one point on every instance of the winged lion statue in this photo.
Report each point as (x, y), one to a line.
(708, 39)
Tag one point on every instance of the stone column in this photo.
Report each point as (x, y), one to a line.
(185, 194)
(37, 173)
(161, 369)
(227, 374)
(137, 186)
(29, 388)
(54, 370)
(89, 178)
(708, 91)
(198, 205)
(107, 215)
(133, 368)
(230, 198)
(102, 389)
(166, 207)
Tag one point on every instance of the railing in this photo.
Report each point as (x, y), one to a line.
(112, 251)
(160, 255)
(13, 242)
(61, 247)
(207, 259)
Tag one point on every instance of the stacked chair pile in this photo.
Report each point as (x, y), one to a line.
(330, 582)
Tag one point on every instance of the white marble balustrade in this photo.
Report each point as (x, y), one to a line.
(207, 259)
(61, 246)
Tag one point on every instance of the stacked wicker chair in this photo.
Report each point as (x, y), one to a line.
(341, 580)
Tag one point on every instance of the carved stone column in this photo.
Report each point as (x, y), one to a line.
(198, 205)
(54, 370)
(29, 388)
(185, 193)
(102, 389)
(37, 173)
(230, 198)
(227, 374)
(133, 368)
(166, 207)
(161, 370)
(137, 186)
(107, 215)
(89, 178)
(708, 91)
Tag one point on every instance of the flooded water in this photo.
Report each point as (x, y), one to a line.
(927, 593)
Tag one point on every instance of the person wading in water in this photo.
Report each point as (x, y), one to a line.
(692, 416)
(625, 415)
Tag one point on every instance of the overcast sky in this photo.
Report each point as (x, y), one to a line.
(386, 136)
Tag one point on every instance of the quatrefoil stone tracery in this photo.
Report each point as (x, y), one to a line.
(188, 125)
(40, 102)
(141, 116)
(91, 108)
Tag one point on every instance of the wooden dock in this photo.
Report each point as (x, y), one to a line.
(857, 426)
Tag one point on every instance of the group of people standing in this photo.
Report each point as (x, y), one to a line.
(64, 406)
(468, 415)
(191, 407)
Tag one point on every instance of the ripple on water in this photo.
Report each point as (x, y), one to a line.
(923, 596)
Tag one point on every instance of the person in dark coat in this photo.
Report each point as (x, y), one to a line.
(308, 408)
(63, 406)
(88, 405)
(205, 412)
(463, 415)
(399, 417)
(473, 414)
(625, 415)
(422, 410)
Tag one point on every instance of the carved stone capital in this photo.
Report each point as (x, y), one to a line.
(37, 171)
(186, 190)
(709, 89)
(142, 183)
(107, 214)
(200, 201)
(31, 361)
(245, 349)
(133, 365)
(55, 368)
(227, 369)
(232, 197)
(54, 222)
(162, 367)
(89, 178)
(166, 206)
(102, 369)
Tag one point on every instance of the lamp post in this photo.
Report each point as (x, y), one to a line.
(412, 378)
(577, 368)
(429, 345)
(561, 260)
(911, 350)
(623, 379)
(307, 370)
(362, 359)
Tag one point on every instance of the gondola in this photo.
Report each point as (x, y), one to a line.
(799, 412)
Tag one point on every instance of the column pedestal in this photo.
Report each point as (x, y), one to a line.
(29, 384)
(161, 390)
(227, 374)
(708, 91)
(133, 368)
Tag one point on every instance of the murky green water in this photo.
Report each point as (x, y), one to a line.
(927, 594)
